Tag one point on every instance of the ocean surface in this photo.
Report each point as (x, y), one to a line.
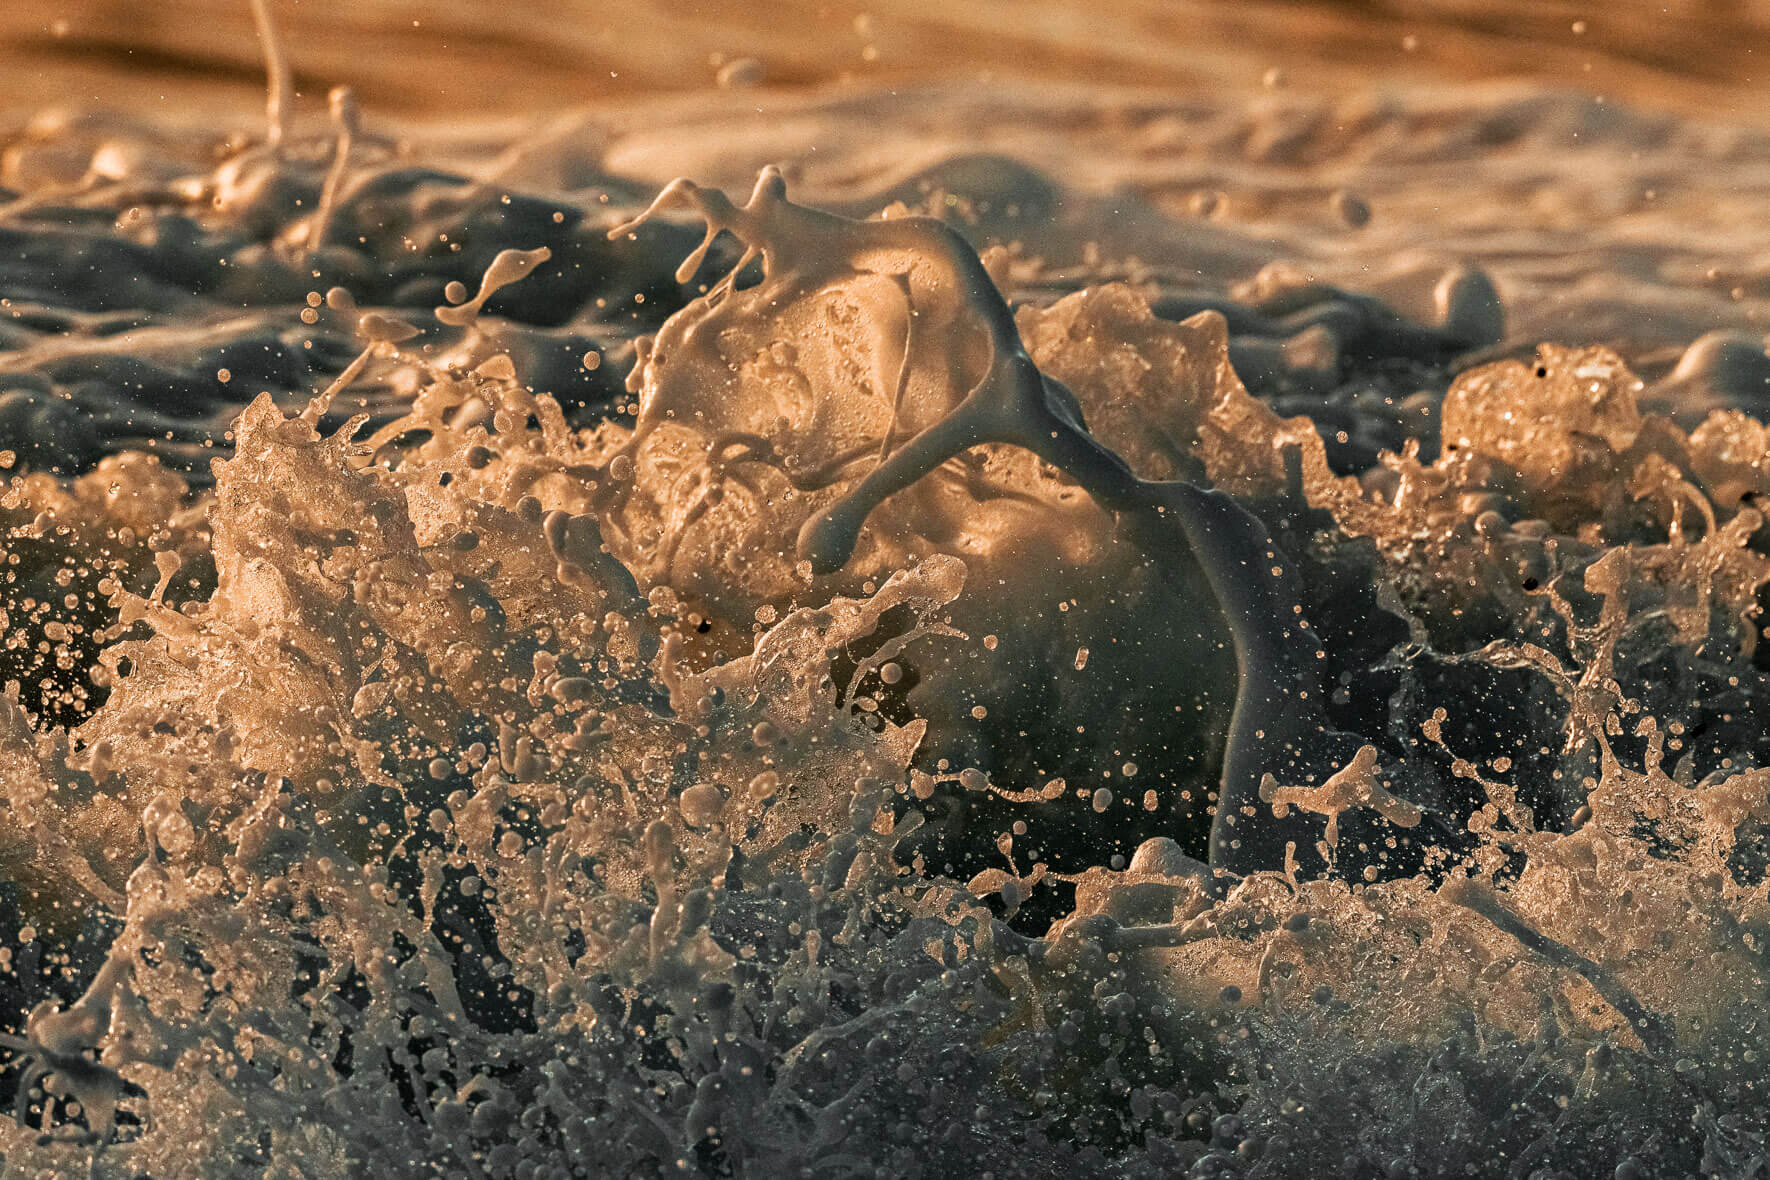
(908, 590)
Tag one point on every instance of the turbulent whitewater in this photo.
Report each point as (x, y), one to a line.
(1183, 638)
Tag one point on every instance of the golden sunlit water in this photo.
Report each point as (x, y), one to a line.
(818, 590)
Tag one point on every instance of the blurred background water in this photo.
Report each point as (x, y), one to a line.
(453, 56)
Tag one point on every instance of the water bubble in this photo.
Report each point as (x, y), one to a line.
(702, 804)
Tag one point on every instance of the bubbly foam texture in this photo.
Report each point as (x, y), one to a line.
(935, 720)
